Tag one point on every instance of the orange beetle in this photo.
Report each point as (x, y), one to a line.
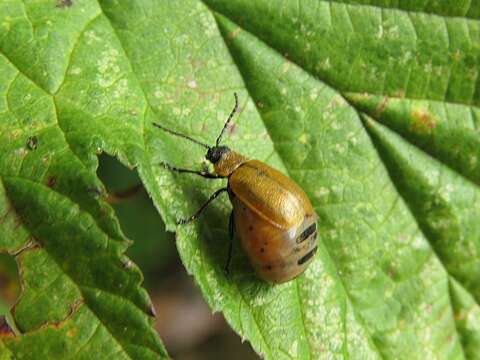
(272, 215)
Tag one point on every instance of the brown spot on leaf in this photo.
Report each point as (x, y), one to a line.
(428, 308)
(398, 94)
(64, 3)
(381, 107)
(196, 64)
(233, 34)
(460, 315)
(232, 128)
(51, 182)
(392, 272)
(458, 55)
(423, 122)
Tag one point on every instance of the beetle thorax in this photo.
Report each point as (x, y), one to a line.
(224, 160)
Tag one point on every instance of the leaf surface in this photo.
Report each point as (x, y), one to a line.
(371, 106)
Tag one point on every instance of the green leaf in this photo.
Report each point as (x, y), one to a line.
(371, 106)
(81, 297)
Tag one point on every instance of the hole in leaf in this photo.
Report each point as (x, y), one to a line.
(153, 247)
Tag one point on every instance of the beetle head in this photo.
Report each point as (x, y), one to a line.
(214, 154)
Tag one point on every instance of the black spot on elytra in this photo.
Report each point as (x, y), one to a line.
(307, 257)
(262, 250)
(250, 228)
(306, 233)
(269, 267)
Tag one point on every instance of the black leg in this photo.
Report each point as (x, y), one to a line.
(204, 174)
(199, 211)
(231, 229)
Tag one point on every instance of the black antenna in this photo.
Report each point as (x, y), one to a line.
(181, 135)
(235, 109)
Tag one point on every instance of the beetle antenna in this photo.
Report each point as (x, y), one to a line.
(181, 135)
(235, 109)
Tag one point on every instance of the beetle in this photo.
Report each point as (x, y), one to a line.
(272, 215)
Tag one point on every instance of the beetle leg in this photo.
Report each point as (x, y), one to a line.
(231, 229)
(199, 211)
(204, 174)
